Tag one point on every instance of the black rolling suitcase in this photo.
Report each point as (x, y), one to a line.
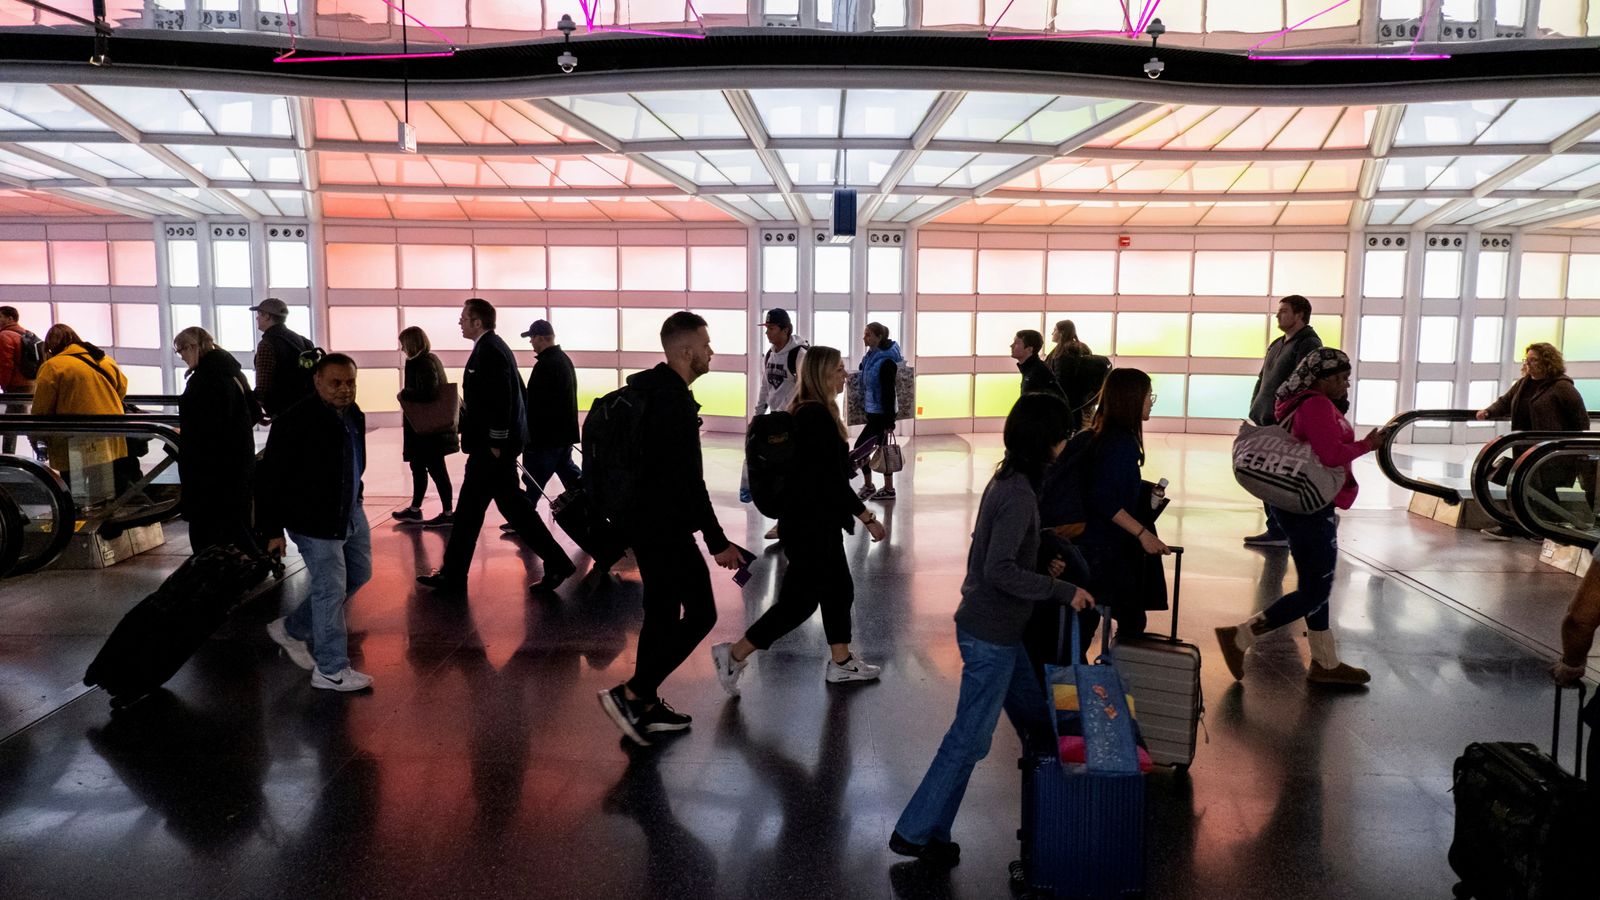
(574, 512)
(1524, 825)
(159, 635)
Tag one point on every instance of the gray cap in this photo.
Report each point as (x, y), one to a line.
(539, 328)
(272, 306)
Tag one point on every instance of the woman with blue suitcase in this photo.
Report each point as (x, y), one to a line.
(997, 598)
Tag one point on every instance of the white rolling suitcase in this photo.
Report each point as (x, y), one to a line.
(1163, 675)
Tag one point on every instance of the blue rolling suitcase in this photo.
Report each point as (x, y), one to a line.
(1083, 825)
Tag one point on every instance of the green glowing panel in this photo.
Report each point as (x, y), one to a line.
(995, 394)
(1233, 335)
(1533, 329)
(1153, 334)
(1582, 339)
(1220, 396)
(595, 383)
(1329, 328)
(1169, 395)
(944, 396)
(721, 394)
(1590, 389)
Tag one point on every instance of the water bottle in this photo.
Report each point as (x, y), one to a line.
(1158, 493)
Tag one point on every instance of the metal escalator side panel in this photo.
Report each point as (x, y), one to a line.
(47, 514)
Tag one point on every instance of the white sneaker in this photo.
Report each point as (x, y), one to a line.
(346, 679)
(852, 669)
(728, 671)
(298, 652)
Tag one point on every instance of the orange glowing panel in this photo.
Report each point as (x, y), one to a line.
(511, 122)
(345, 168)
(1030, 212)
(465, 171)
(1163, 131)
(510, 268)
(468, 123)
(1169, 214)
(1243, 214)
(1205, 134)
(1258, 131)
(522, 174)
(973, 212)
(363, 327)
(24, 262)
(1215, 176)
(422, 208)
(80, 262)
(435, 266)
(373, 119)
(566, 209)
(332, 121)
(1354, 128)
(580, 172)
(354, 206)
(1150, 176)
(496, 209)
(369, 266)
(1332, 175)
(631, 209)
(1097, 213)
(133, 263)
(431, 129)
(1322, 212)
(1093, 176)
(1118, 135)
(1270, 176)
(404, 170)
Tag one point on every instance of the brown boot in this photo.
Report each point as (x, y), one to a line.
(1232, 653)
(1342, 675)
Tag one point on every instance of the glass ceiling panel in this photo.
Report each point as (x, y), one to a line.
(740, 166)
(986, 116)
(292, 203)
(1164, 130)
(693, 114)
(1308, 130)
(933, 167)
(78, 156)
(1565, 172)
(1471, 171)
(25, 168)
(250, 163)
(1478, 207)
(152, 109)
(1412, 173)
(868, 167)
(1539, 119)
(749, 207)
(885, 114)
(258, 201)
(1205, 134)
(47, 109)
(1449, 122)
(809, 166)
(799, 113)
(1417, 209)
(231, 113)
(618, 115)
(1259, 130)
(692, 166)
(1066, 117)
(1383, 212)
(12, 122)
(984, 168)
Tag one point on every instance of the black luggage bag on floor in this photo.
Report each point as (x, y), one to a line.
(1524, 825)
(574, 511)
(159, 635)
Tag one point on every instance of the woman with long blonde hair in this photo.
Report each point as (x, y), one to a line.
(816, 508)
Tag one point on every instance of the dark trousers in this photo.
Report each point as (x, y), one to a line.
(489, 477)
(1314, 547)
(543, 462)
(679, 609)
(1114, 581)
(818, 574)
(421, 469)
(220, 521)
(1272, 527)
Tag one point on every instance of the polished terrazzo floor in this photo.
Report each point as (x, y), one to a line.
(481, 766)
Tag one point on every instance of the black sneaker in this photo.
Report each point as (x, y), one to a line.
(409, 514)
(624, 714)
(441, 580)
(662, 717)
(945, 854)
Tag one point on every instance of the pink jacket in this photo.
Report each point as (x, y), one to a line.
(1319, 423)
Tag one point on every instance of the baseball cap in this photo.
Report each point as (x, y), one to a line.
(539, 328)
(272, 306)
(780, 317)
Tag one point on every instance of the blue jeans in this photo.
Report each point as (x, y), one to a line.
(543, 462)
(1314, 546)
(338, 568)
(993, 677)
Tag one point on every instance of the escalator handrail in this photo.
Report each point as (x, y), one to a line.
(1481, 466)
(159, 425)
(1384, 452)
(61, 532)
(1517, 488)
(136, 399)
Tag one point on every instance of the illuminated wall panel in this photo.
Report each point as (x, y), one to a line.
(442, 324)
(942, 270)
(1534, 329)
(1436, 340)
(92, 321)
(236, 329)
(1583, 276)
(944, 396)
(780, 269)
(1482, 393)
(1492, 274)
(641, 329)
(288, 265)
(1156, 272)
(376, 389)
(831, 270)
(501, 268)
(368, 266)
(363, 328)
(1094, 329)
(1082, 272)
(1169, 391)
(1542, 276)
(884, 269)
(144, 379)
(596, 383)
(996, 330)
(717, 269)
(831, 328)
(183, 263)
(1380, 339)
(583, 268)
(1011, 271)
(1441, 274)
(230, 264)
(942, 334)
(1221, 273)
(1435, 395)
(1486, 332)
(994, 394)
(729, 329)
(133, 263)
(1234, 335)
(24, 262)
(80, 262)
(1331, 330)
(1375, 400)
(1384, 273)
(436, 266)
(139, 325)
(1220, 396)
(654, 268)
(1152, 334)
(586, 328)
(1581, 339)
(185, 315)
(721, 394)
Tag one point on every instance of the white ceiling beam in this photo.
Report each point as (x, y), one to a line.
(744, 109)
(1554, 220)
(554, 110)
(1384, 128)
(60, 165)
(1570, 138)
(1154, 196)
(938, 113)
(302, 119)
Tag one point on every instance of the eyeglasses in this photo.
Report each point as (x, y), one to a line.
(179, 348)
(1152, 396)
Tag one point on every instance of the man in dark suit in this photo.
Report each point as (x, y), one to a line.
(493, 429)
(552, 412)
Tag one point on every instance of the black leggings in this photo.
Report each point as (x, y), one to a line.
(420, 470)
(818, 574)
(877, 425)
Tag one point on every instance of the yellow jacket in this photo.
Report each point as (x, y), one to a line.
(68, 386)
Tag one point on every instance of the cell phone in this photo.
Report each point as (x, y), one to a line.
(742, 575)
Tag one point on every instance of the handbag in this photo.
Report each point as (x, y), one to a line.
(1283, 471)
(436, 416)
(887, 459)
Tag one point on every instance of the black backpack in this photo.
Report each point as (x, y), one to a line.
(30, 356)
(612, 452)
(1062, 494)
(769, 448)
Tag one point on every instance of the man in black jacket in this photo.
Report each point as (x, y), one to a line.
(493, 428)
(552, 412)
(1283, 354)
(671, 504)
(310, 486)
(280, 379)
(1036, 376)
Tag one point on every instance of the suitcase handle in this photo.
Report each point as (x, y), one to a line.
(1177, 586)
(1555, 730)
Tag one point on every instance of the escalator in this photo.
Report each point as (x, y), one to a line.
(1551, 490)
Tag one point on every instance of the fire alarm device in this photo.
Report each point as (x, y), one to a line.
(1124, 240)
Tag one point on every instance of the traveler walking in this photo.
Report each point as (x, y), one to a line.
(424, 453)
(310, 487)
(878, 368)
(1315, 395)
(669, 504)
(816, 503)
(1543, 399)
(21, 355)
(997, 597)
(217, 460)
(1036, 376)
(1078, 370)
(282, 377)
(780, 380)
(552, 413)
(78, 378)
(1283, 354)
(493, 429)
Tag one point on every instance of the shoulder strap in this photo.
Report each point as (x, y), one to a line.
(88, 361)
(792, 355)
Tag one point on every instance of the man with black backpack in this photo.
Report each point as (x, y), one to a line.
(283, 361)
(642, 464)
(21, 354)
(780, 380)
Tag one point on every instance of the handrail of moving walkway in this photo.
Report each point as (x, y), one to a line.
(135, 399)
(160, 426)
(63, 520)
(1483, 468)
(1518, 489)
(1384, 453)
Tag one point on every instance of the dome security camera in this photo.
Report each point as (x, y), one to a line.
(1154, 67)
(568, 62)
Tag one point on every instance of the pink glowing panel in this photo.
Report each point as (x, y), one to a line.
(345, 168)
(81, 262)
(466, 121)
(1214, 127)
(363, 327)
(717, 269)
(431, 129)
(1150, 176)
(1096, 175)
(499, 209)
(435, 266)
(560, 130)
(1332, 175)
(1309, 128)
(580, 172)
(1028, 212)
(511, 121)
(1270, 176)
(92, 321)
(654, 268)
(631, 209)
(1082, 271)
(404, 170)
(465, 171)
(133, 263)
(1354, 128)
(506, 268)
(583, 268)
(1167, 128)
(1321, 212)
(1156, 272)
(946, 270)
(973, 212)
(1243, 214)
(1184, 214)
(422, 208)
(1118, 135)
(1258, 131)
(1010, 271)
(373, 119)
(508, 15)
(138, 325)
(437, 13)
(443, 325)
(522, 174)
(1231, 273)
(332, 122)
(354, 206)
(365, 266)
(566, 209)
(1215, 176)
